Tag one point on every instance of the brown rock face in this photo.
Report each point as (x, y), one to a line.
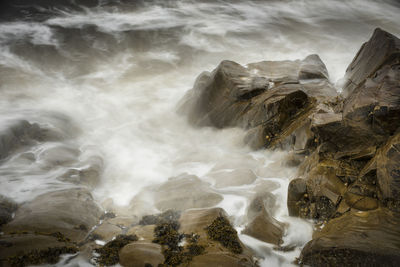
(356, 239)
(269, 99)
(381, 49)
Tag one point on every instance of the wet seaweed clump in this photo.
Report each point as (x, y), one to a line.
(167, 235)
(168, 216)
(109, 252)
(36, 257)
(222, 231)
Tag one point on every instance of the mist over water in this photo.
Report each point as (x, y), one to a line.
(106, 81)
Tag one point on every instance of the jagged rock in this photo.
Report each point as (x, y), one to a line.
(141, 253)
(356, 239)
(72, 212)
(381, 49)
(372, 108)
(262, 225)
(266, 98)
(185, 192)
(265, 228)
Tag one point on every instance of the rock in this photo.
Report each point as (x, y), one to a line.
(265, 98)
(312, 67)
(185, 192)
(16, 134)
(296, 191)
(143, 232)
(381, 49)
(265, 228)
(71, 212)
(356, 239)
(7, 207)
(141, 253)
(219, 259)
(106, 231)
(198, 221)
(372, 107)
(387, 161)
(32, 249)
(236, 177)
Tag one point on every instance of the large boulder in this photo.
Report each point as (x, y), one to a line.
(141, 253)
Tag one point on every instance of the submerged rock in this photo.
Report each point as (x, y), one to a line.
(185, 192)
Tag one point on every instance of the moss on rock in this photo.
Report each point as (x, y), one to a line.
(168, 216)
(221, 230)
(109, 252)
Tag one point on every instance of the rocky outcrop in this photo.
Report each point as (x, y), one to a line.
(269, 99)
(347, 145)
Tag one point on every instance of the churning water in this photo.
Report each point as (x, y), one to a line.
(107, 79)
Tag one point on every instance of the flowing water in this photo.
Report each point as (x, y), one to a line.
(106, 77)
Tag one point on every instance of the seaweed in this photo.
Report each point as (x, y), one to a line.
(167, 235)
(36, 257)
(109, 252)
(168, 216)
(222, 231)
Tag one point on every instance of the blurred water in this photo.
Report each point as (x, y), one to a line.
(109, 76)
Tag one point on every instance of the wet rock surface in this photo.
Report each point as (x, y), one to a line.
(346, 146)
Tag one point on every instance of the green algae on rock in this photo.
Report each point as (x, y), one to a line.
(109, 252)
(221, 230)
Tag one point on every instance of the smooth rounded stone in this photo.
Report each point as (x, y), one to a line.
(381, 48)
(220, 259)
(106, 231)
(16, 244)
(265, 228)
(236, 177)
(185, 192)
(356, 239)
(140, 253)
(261, 202)
(143, 232)
(7, 207)
(72, 212)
